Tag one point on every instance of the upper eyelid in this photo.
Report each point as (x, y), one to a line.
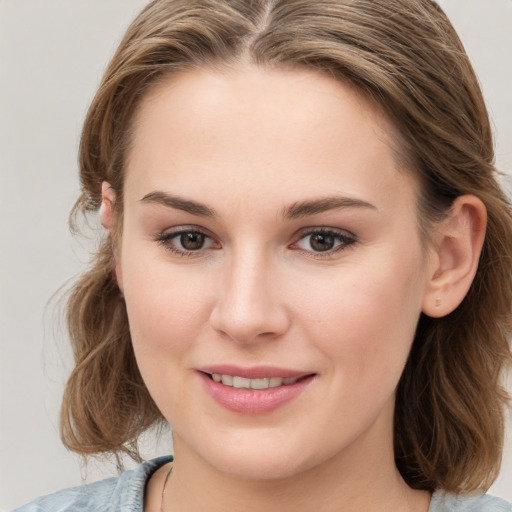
(166, 240)
(298, 235)
(174, 231)
(336, 232)
(323, 229)
(301, 232)
(349, 243)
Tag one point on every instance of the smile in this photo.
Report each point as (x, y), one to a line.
(244, 383)
(258, 390)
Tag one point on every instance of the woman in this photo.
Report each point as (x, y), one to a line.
(307, 267)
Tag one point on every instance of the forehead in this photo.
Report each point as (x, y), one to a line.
(255, 128)
(255, 97)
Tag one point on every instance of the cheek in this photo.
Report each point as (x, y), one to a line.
(364, 319)
(167, 309)
(166, 321)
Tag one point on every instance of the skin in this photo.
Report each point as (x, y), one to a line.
(245, 144)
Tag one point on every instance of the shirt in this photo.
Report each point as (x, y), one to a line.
(125, 493)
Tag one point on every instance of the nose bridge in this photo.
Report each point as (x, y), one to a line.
(249, 306)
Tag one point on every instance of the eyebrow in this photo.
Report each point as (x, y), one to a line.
(295, 211)
(179, 203)
(323, 204)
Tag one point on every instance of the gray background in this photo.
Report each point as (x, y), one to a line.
(52, 53)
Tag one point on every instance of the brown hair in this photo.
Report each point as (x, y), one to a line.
(405, 56)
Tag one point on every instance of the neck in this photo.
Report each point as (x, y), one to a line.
(349, 482)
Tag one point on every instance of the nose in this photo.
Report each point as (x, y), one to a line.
(250, 305)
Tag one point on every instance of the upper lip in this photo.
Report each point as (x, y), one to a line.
(253, 372)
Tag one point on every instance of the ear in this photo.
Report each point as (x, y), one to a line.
(454, 255)
(107, 217)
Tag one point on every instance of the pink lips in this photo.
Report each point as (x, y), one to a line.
(253, 401)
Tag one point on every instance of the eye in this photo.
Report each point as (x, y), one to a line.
(192, 240)
(324, 241)
(186, 242)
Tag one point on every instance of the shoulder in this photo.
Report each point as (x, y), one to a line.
(85, 497)
(445, 502)
(123, 493)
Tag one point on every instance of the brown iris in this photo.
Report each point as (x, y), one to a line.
(321, 241)
(192, 241)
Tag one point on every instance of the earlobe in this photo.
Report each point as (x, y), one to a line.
(454, 256)
(107, 217)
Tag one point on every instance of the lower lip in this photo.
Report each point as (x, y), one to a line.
(253, 401)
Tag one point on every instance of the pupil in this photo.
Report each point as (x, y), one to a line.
(322, 242)
(192, 241)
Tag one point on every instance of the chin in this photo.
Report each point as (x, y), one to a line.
(263, 459)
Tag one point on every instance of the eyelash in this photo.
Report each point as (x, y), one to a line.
(166, 240)
(346, 241)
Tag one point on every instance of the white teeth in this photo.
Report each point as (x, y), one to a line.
(240, 382)
(227, 380)
(260, 383)
(275, 382)
(243, 383)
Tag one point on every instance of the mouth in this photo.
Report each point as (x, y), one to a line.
(260, 383)
(257, 390)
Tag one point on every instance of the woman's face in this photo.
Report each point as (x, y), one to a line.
(268, 235)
